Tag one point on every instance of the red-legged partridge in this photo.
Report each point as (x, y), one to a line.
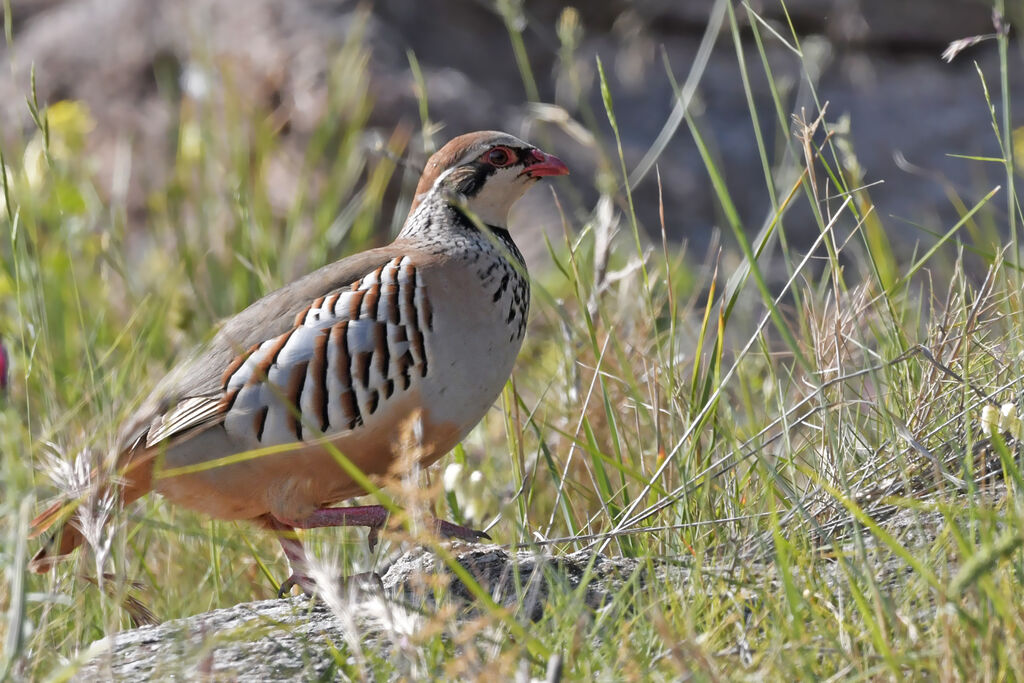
(422, 331)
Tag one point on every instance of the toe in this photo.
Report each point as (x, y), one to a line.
(450, 530)
(305, 583)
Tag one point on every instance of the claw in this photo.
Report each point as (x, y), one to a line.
(451, 530)
(303, 582)
(373, 537)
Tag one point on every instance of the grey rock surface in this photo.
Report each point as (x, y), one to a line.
(292, 639)
(876, 61)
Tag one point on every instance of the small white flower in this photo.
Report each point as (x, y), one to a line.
(195, 81)
(989, 420)
(1009, 420)
(473, 501)
(470, 492)
(33, 162)
(452, 475)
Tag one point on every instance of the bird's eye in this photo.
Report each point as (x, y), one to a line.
(499, 156)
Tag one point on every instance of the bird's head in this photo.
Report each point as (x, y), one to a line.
(487, 171)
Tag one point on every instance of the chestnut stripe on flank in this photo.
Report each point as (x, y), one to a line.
(380, 348)
(412, 324)
(372, 400)
(235, 364)
(355, 302)
(405, 361)
(259, 373)
(293, 392)
(391, 270)
(260, 422)
(362, 367)
(351, 408)
(229, 400)
(318, 370)
(300, 318)
(371, 299)
(394, 315)
(407, 291)
(347, 398)
(420, 353)
(339, 337)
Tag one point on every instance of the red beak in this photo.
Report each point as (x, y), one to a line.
(545, 165)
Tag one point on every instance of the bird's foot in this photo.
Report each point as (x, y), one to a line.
(362, 582)
(463, 533)
(304, 582)
(442, 528)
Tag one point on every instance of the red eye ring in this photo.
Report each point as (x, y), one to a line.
(499, 157)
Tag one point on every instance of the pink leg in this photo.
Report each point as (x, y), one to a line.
(298, 565)
(374, 516)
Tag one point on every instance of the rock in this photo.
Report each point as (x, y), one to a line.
(289, 639)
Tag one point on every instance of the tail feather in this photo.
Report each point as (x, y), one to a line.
(59, 521)
(47, 518)
(59, 543)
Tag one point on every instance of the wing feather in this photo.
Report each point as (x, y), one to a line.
(192, 397)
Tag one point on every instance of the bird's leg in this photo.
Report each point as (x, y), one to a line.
(453, 530)
(298, 565)
(374, 517)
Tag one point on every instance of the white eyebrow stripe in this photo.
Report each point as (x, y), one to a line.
(437, 183)
(478, 149)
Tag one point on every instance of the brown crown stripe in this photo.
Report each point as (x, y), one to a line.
(235, 364)
(339, 337)
(389, 388)
(318, 370)
(355, 303)
(260, 421)
(293, 392)
(259, 373)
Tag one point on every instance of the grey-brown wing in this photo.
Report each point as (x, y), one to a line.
(189, 397)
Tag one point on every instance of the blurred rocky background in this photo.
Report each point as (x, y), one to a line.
(137, 63)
